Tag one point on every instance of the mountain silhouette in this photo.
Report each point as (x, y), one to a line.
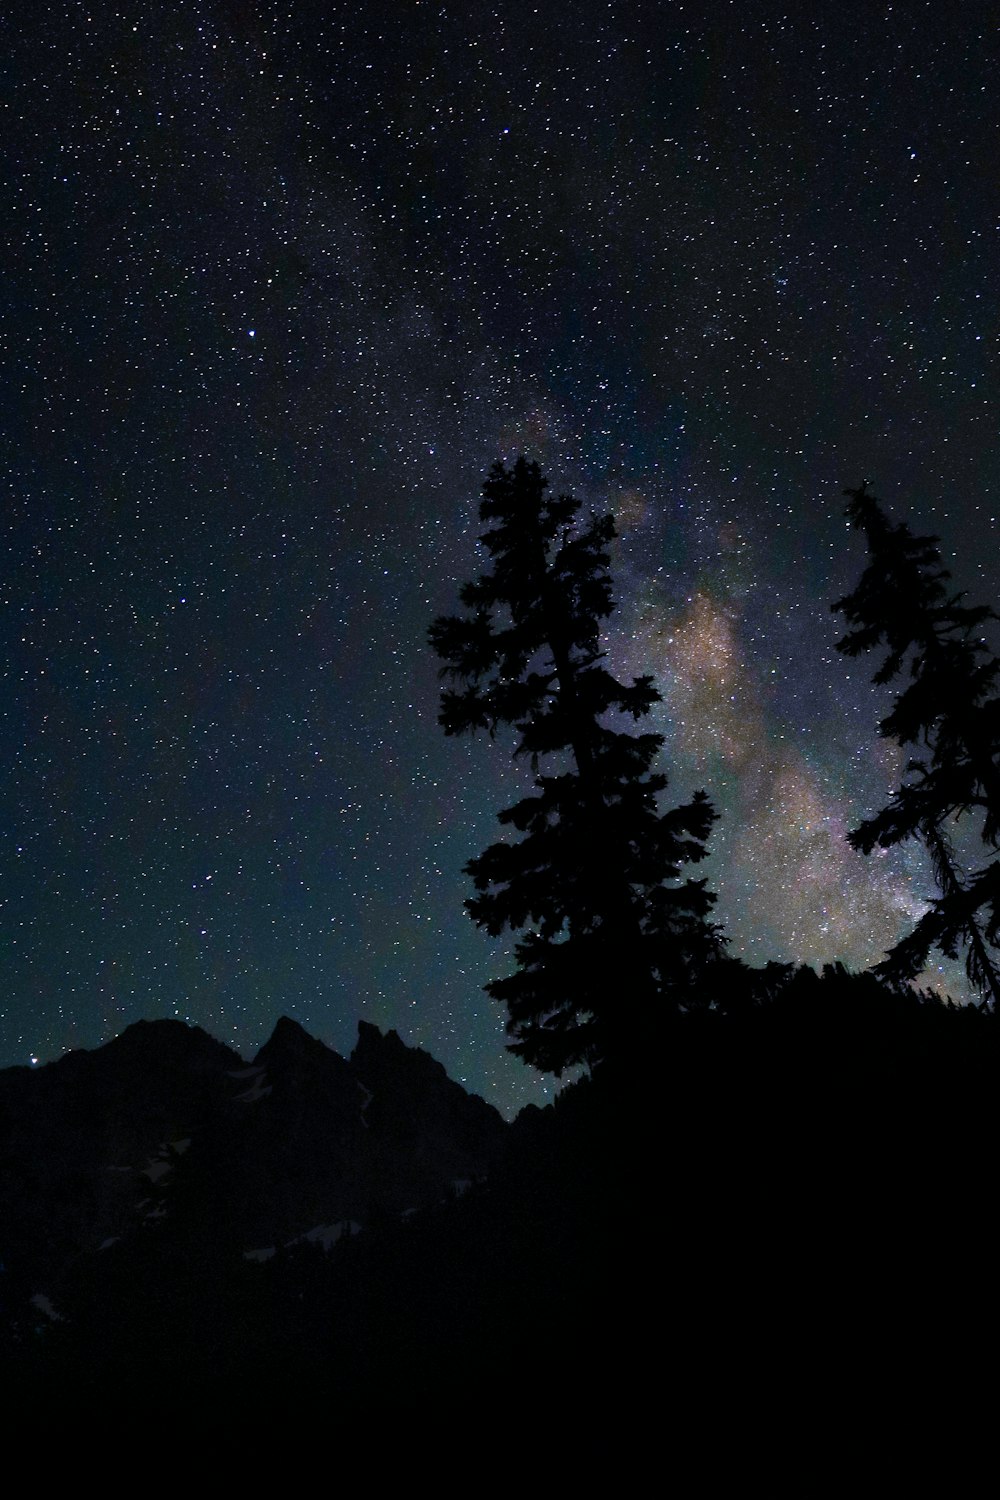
(164, 1123)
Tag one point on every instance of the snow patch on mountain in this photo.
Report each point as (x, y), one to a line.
(156, 1168)
(327, 1234)
(258, 1089)
(44, 1305)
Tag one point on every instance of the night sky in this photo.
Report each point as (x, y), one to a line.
(280, 283)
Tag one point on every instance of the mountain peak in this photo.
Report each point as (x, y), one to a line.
(164, 1039)
(289, 1040)
(370, 1036)
(286, 1030)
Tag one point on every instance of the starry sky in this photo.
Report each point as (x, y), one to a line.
(281, 281)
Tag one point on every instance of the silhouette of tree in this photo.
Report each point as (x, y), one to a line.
(950, 710)
(612, 938)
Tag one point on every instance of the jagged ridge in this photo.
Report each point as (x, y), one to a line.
(164, 1123)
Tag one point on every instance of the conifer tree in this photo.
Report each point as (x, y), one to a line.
(611, 939)
(948, 709)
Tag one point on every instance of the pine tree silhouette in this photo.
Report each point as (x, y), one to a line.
(612, 939)
(949, 709)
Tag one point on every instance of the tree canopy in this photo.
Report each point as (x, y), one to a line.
(589, 874)
(949, 711)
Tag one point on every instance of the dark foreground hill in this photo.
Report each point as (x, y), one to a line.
(780, 1210)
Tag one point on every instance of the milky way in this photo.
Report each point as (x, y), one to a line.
(282, 284)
